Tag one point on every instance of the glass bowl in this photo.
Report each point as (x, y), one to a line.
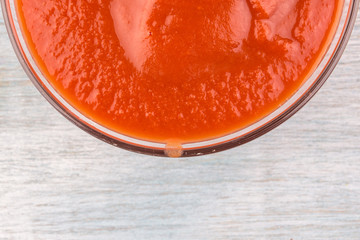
(289, 108)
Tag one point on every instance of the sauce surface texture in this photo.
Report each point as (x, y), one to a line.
(180, 69)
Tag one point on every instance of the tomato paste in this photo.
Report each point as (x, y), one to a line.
(180, 69)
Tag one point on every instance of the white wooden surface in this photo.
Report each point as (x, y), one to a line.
(301, 181)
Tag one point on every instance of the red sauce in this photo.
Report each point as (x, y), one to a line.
(180, 69)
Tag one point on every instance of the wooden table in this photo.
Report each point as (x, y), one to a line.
(301, 181)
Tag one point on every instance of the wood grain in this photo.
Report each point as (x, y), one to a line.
(301, 181)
